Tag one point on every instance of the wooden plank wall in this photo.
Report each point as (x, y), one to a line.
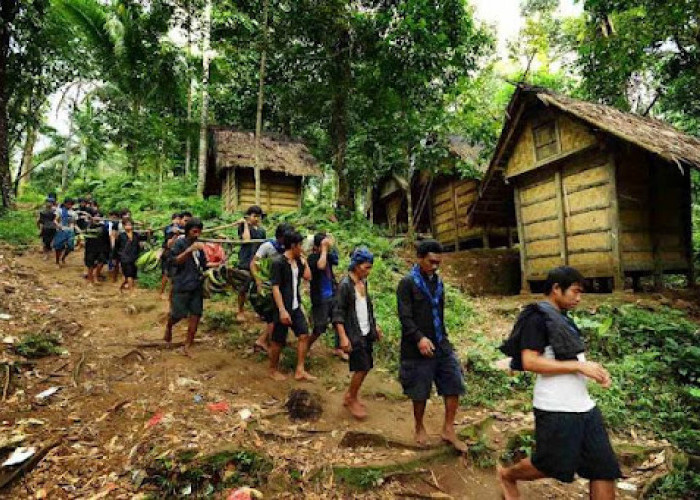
(279, 192)
(651, 196)
(451, 199)
(565, 212)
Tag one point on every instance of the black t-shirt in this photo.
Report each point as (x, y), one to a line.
(47, 219)
(282, 276)
(129, 249)
(247, 250)
(187, 276)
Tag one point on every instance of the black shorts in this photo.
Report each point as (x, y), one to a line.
(185, 304)
(361, 359)
(94, 256)
(568, 443)
(129, 270)
(322, 316)
(47, 235)
(418, 375)
(299, 327)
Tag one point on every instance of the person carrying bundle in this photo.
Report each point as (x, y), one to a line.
(128, 248)
(260, 294)
(248, 229)
(64, 240)
(46, 223)
(189, 263)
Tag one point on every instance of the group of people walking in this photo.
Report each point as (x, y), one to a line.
(569, 431)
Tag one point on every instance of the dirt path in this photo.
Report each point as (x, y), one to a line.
(111, 389)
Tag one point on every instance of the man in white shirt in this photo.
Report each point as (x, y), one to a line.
(570, 435)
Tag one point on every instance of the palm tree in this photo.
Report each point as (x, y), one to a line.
(138, 67)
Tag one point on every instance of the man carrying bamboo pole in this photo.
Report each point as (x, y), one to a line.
(248, 229)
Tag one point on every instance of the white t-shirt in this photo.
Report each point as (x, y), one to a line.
(565, 393)
(265, 250)
(295, 284)
(362, 311)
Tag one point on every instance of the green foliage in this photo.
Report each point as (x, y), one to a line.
(219, 321)
(653, 357)
(18, 228)
(679, 484)
(360, 478)
(481, 453)
(38, 345)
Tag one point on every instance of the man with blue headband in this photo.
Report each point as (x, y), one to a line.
(354, 319)
(427, 356)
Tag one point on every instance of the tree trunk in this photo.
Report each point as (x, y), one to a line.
(202, 168)
(66, 152)
(340, 83)
(131, 148)
(261, 98)
(188, 137)
(409, 195)
(24, 173)
(8, 11)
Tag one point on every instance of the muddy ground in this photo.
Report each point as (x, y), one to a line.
(126, 403)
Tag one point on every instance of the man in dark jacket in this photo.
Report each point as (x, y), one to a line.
(357, 327)
(248, 229)
(287, 272)
(427, 356)
(570, 434)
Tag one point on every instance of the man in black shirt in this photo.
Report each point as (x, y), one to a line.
(187, 300)
(287, 272)
(170, 232)
(248, 229)
(427, 356)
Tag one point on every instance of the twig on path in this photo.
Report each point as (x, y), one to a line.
(401, 473)
(115, 408)
(154, 345)
(78, 368)
(28, 465)
(425, 496)
(6, 386)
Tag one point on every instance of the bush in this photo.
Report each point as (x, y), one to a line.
(18, 228)
(38, 345)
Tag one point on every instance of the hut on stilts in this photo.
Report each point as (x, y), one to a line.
(283, 166)
(593, 187)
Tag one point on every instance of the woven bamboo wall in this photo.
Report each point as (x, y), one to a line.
(278, 192)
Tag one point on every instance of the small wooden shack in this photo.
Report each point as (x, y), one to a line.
(593, 187)
(283, 166)
(440, 204)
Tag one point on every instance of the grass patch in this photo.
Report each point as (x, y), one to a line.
(38, 345)
(18, 228)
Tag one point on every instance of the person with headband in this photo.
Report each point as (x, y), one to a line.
(354, 319)
(427, 356)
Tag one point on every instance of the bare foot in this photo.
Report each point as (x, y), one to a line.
(259, 347)
(277, 376)
(421, 437)
(185, 351)
(451, 438)
(356, 409)
(347, 399)
(508, 488)
(304, 376)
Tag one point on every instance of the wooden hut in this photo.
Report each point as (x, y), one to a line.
(593, 187)
(440, 203)
(283, 166)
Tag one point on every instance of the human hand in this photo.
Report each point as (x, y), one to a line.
(285, 318)
(197, 245)
(345, 344)
(426, 347)
(596, 372)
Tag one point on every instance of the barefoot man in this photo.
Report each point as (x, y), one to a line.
(427, 356)
(570, 435)
(189, 262)
(287, 272)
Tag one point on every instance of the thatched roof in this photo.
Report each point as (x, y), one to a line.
(657, 137)
(235, 148)
(653, 135)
